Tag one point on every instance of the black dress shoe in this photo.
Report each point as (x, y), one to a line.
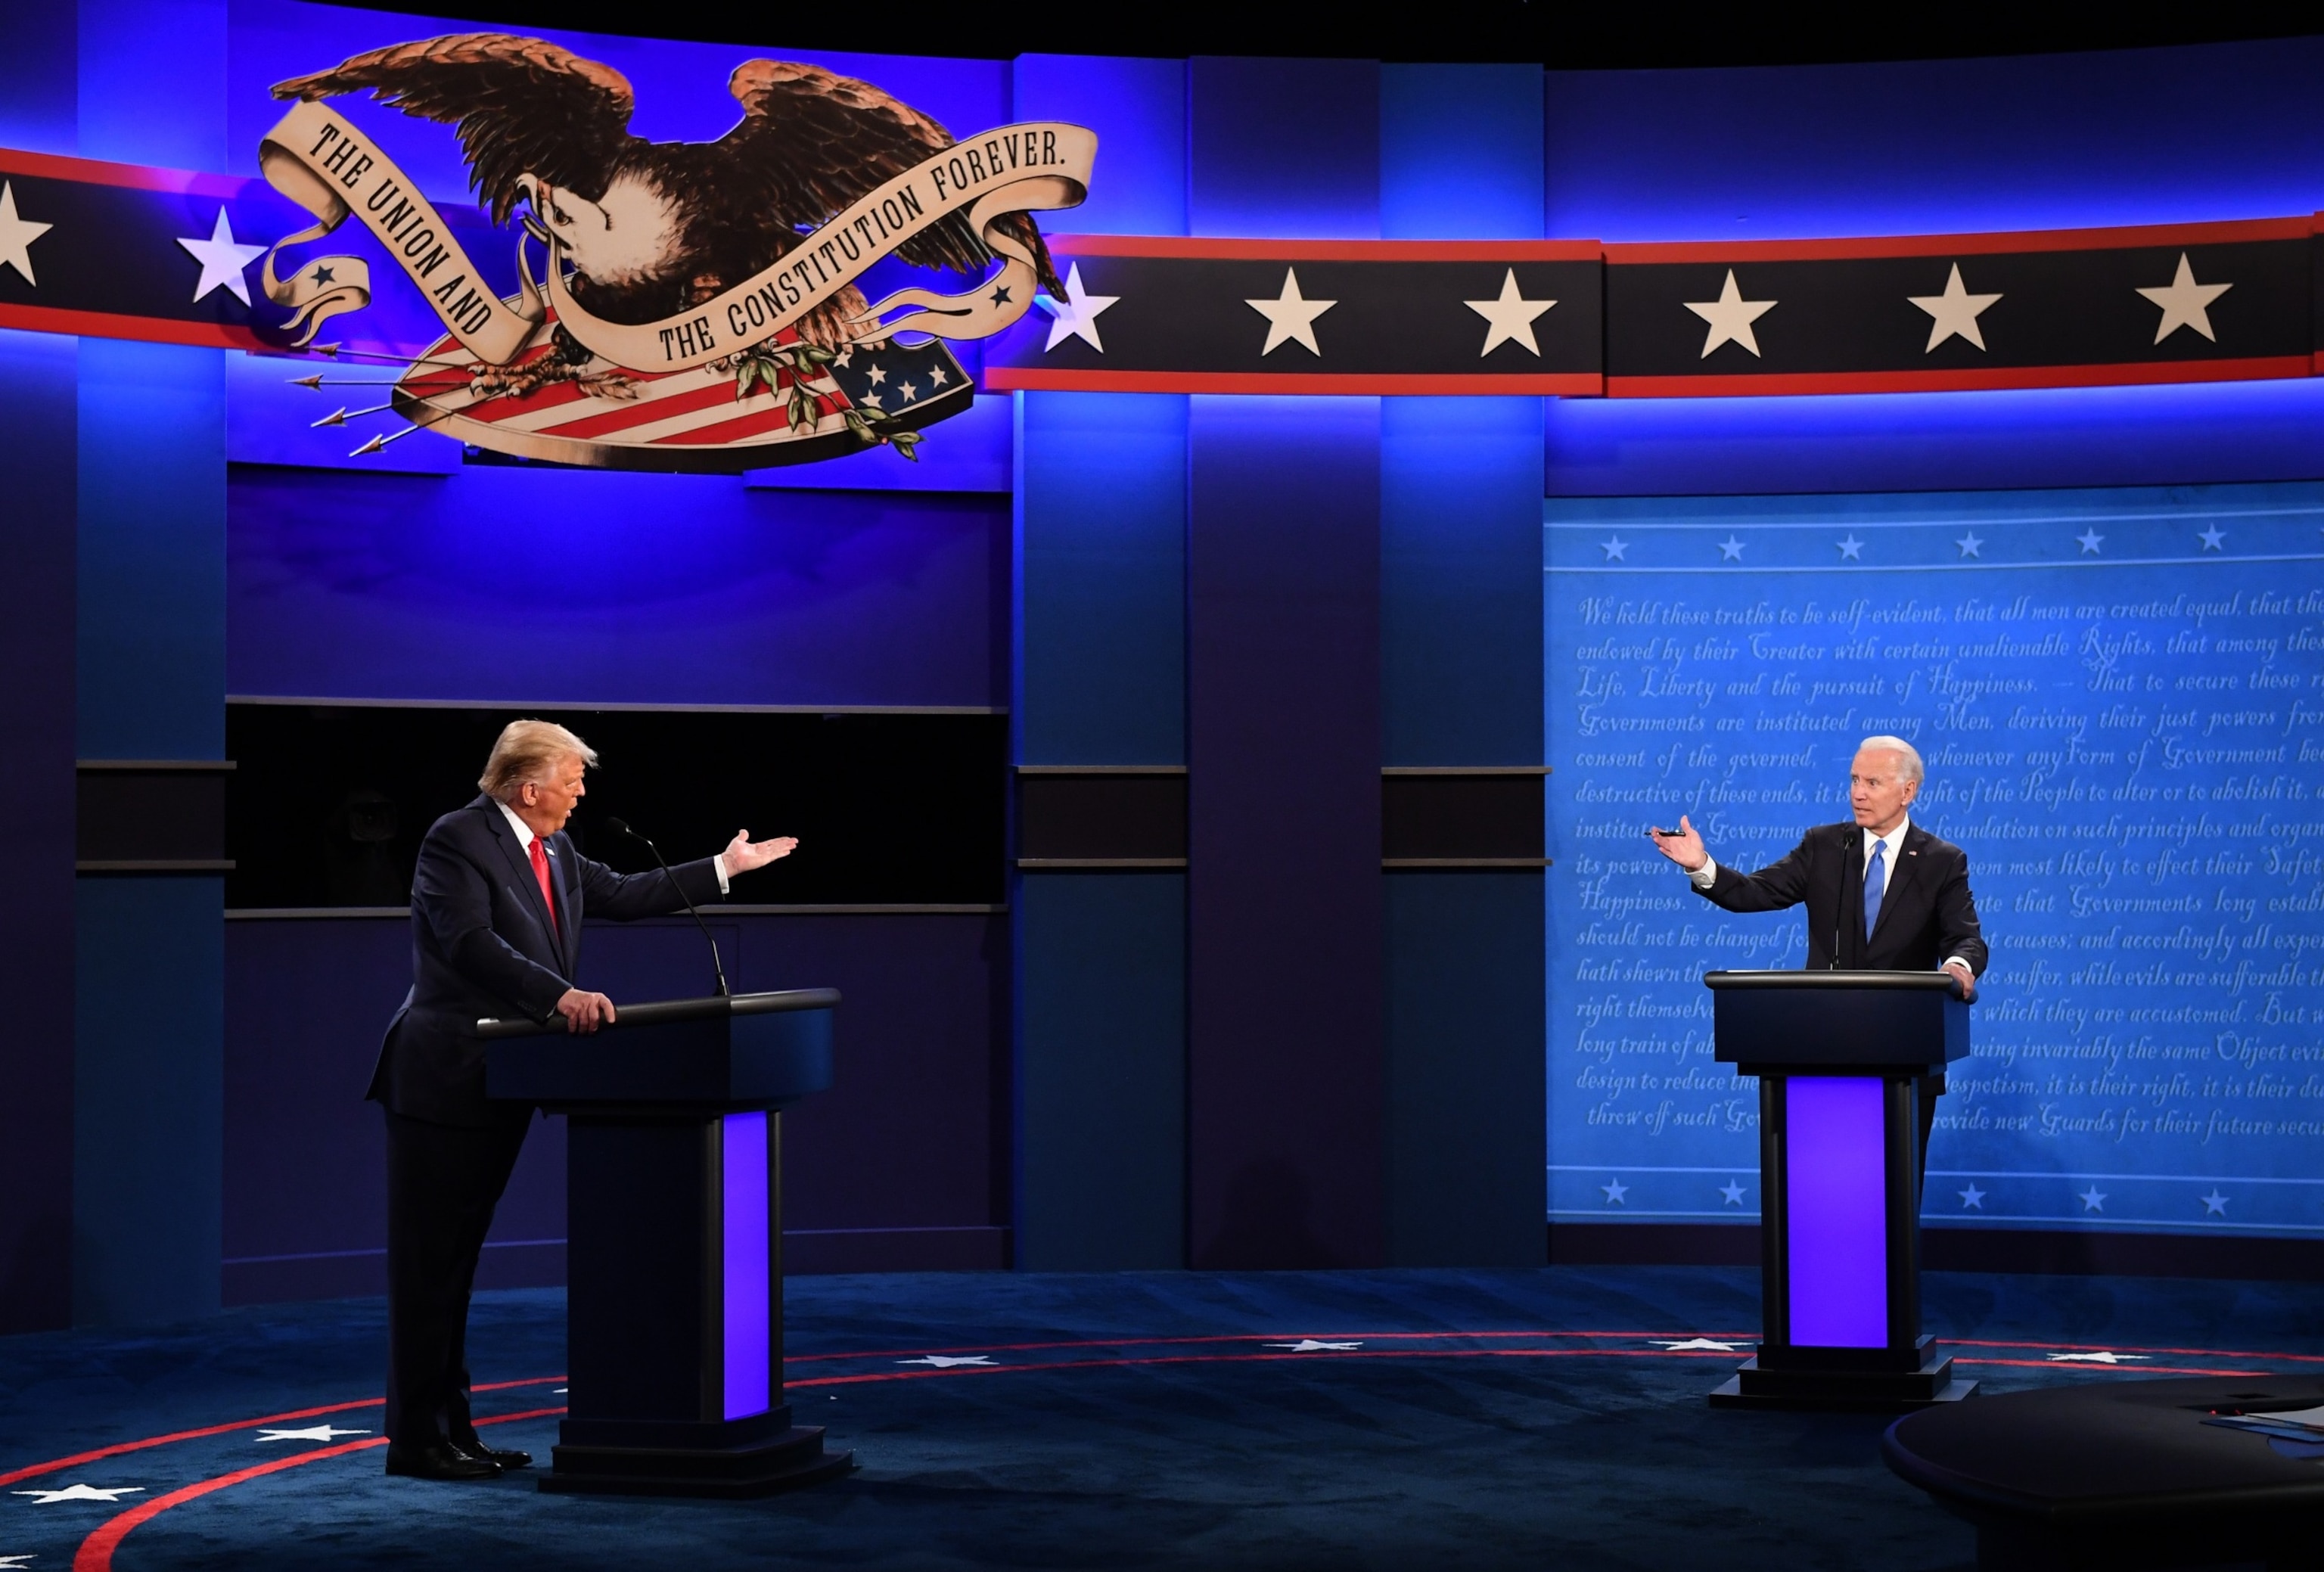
(472, 1445)
(441, 1461)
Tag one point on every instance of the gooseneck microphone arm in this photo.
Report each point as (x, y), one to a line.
(621, 826)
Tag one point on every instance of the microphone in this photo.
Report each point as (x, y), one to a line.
(621, 826)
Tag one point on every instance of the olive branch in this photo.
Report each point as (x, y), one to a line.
(805, 362)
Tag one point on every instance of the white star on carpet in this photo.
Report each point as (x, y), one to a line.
(2213, 539)
(1733, 1192)
(1698, 1345)
(1954, 313)
(948, 1361)
(1731, 549)
(223, 258)
(1511, 317)
(2088, 541)
(2092, 1199)
(1972, 1196)
(1310, 1346)
(2102, 1356)
(1075, 316)
(1291, 317)
(17, 235)
(1613, 546)
(1969, 544)
(2215, 1205)
(1850, 549)
(312, 1433)
(1730, 316)
(1615, 1190)
(81, 1493)
(2185, 303)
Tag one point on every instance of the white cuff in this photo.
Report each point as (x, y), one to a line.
(1961, 961)
(719, 862)
(1705, 876)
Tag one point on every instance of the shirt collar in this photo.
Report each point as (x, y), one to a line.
(1895, 838)
(524, 831)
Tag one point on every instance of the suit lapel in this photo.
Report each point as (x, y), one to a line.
(1851, 898)
(524, 878)
(560, 867)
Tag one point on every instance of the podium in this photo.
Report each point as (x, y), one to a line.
(674, 1229)
(1838, 1056)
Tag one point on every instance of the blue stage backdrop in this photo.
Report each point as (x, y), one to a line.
(2120, 699)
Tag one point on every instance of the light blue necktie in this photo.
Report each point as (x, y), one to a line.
(1875, 884)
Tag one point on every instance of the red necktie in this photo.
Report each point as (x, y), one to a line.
(540, 871)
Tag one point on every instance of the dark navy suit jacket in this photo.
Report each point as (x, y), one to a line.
(1926, 915)
(482, 945)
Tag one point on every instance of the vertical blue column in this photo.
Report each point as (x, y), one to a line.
(38, 46)
(1461, 484)
(1285, 1123)
(1100, 1034)
(151, 656)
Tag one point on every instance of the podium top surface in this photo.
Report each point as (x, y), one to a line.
(1930, 982)
(666, 1011)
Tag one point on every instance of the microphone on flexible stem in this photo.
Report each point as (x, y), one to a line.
(621, 826)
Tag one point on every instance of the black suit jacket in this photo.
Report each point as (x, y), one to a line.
(1926, 915)
(482, 946)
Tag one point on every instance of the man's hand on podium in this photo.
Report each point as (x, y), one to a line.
(1680, 846)
(585, 1012)
(1961, 973)
(743, 854)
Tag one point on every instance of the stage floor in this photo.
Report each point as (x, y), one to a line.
(1362, 1420)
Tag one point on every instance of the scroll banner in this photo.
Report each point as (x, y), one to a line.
(317, 159)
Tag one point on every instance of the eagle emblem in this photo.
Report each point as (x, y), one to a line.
(699, 305)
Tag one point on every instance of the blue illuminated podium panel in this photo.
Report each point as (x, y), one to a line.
(1839, 1055)
(674, 1251)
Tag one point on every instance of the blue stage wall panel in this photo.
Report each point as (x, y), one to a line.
(1288, 149)
(1461, 152)
(38, 476)
(1138, 108)
(571, 586)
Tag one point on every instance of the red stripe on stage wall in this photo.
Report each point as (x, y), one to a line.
(1055, 379)
(96, 1552)
(2227, 233)
(1204, 247)
(114, 325)
(94, 171)
(1744, 384)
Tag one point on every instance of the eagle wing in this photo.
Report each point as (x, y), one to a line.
(521, 106)
(811, 141)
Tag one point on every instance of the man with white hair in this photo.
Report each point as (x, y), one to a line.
(497, 900)
(1882, 893)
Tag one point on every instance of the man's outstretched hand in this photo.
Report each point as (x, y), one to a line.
(585, 1013)
(1680, 846)
(1963, 976)
(743, 854)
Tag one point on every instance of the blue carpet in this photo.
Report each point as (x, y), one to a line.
(1484, 1419)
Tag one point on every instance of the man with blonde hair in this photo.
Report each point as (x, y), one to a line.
(497, 901)
(1882, 893)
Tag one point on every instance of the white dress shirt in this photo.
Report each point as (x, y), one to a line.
(1707, 876)
(524, 838)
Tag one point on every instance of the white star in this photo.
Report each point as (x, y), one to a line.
(1291, 317)
(1730, 316)
(1953, 313)
(223, 258)
(1615, 1190)
(1733, 1192)
(2185, 303)
(2212, 539)
(871, 401)
(1613, 546)
(312, 1433)
(1309, 1346)
(2088, 541)
(878, 373)
(1969, 544)
(935, 376)
(1698, 1345)
(81, 1493)
(1850, 549)
(910, 393)
(1972, 1196)
(845, 356)
(17, 235)
(2215, 1205)
(1731, 549)
(2103, 1357)
(1075, 316)
(1511, 317)
(947, 1361)
(2093, 1199)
